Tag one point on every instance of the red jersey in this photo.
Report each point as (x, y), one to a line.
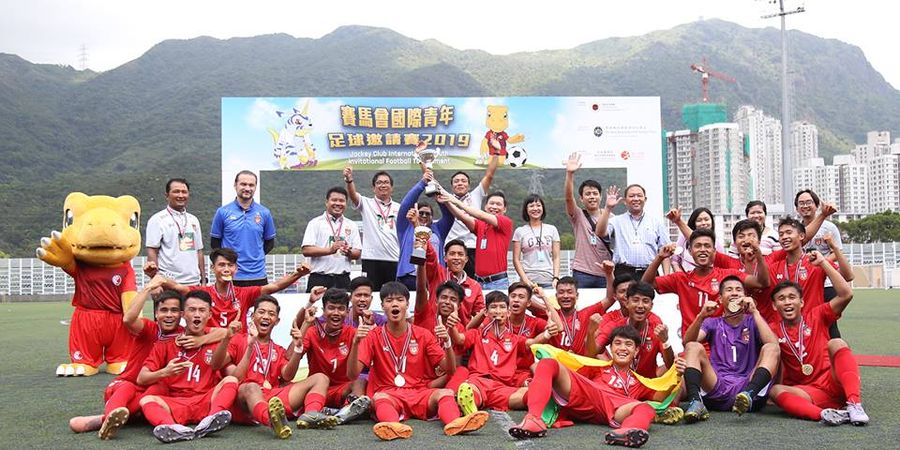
(623, 382)
(102, 287)
(224, 308)
(266, 360)
(471, 304)
(493, 356)
(329, 355)
(645, 361)
(195, 380)
(811, 278)
(141, 347)
(762, 297)
(423, 353)
(491, 246)
(501, 137)
(529, 328)
(816, 322)
(693, 291)
(574, 329)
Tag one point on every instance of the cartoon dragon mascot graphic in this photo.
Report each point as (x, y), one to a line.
(294, 140)
(100, 236)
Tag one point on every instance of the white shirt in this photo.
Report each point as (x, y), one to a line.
(459, 229)
(379, 229)
(322, 231)
(818, 242)
(177, 237)
(537, 251)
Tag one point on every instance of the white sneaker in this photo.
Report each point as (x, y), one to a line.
(173, 433)
(857, 414)
(834, 417)
(212, 423)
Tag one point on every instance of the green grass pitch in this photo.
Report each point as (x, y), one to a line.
(35, 405)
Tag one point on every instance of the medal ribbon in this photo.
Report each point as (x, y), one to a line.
(381, 211)
(796, 271)
(570, 331)
(183, 225)
(521, 330)
(626, 381)
(637, 356)
(268, 362)
(323, 332)
(399, 360)
(335, 234)
(798, 355)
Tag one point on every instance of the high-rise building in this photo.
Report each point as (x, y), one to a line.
(804, 143)
(763, 135)
(680, 148)
(884, 183)
(721, 169)
(824, 180)
(854, 185)
(878, 143)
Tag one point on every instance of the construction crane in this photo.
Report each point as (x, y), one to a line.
(706, 72)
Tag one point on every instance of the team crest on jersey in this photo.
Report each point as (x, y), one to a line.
(648, 344)
(347, 231)
(745, 334)
(807, 331)
(507, 345)
(232, 217)
(779, 276)
(77, 355)
(117, 279)
(782, 340)
(468, 292)
(413, 347)
(803, 273)
(257, 219)
(207, 356)
(343, 349)
(714, 284)
(485, 340)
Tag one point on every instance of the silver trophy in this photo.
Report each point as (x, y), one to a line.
(427, 156)
(421, 234)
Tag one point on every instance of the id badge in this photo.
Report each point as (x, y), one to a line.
(542, 257)
(593, 240)
(483, 244)
(186, 241)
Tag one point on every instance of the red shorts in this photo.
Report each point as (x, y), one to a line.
(521, 377)
(96, 336)
(335, 396)
(134, 403)
(494, 394)
(411, 403)
(188, 410)
(829, 396)
(589, 401)
(240, 413)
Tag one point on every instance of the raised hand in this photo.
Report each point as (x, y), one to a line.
(56, 251)
(674, 215)
(440, 331)
(709, 308)
(310, 317)
(316, 293)
(413, 215)
(816, 258)
(234, 327)
(574, 162)
(749, 304)
(348, 174)
(552, 328)
(303, 269)
(661, 332)
(453, 319)
(612, 197)
(362, 331)
(828, 209)
(150, 269)
(667, 250)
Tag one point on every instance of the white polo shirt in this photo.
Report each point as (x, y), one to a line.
(379, 229)
(322, 231)
(177, 237)
(459, 229)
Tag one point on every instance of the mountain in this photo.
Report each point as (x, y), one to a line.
(129, 129)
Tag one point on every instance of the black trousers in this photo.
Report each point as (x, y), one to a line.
(256, 282)
(470, 265)
(622, 269)
(833, 331)
(328, 280)
(379, 272)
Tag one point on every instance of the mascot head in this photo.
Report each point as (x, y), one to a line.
(497, 118)
(103, 230)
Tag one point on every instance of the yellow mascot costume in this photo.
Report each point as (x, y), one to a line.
(100, 237)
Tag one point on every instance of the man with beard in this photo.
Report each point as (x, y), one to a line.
(459, 188)
(496, 354)
(743, 356)
(380, 250)
(435, 275)
(247, 227)
(653, 333)
(262, 367)
(701, 285)
(326, 343)
(573, 322)
(590, 250)
(331, 242)
(194, 392)
(399, 355)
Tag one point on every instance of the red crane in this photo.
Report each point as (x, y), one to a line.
(706, 72)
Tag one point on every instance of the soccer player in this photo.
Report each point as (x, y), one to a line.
(174, 241)
(742, 359)
(522, 324)
(435, 275)
(573, 322)
(380, 250)
(654, 334)
(330, 242)
(590, 250)
(326, 344)
(493, 230)
(194, 392)
(460, 183)
(361, 289)
(496, 353)
(613, 396)
(247, 227)
(228, 297)
(397, 382)
(262, 367)
(702, 284)
(819, 374)
(746, 237)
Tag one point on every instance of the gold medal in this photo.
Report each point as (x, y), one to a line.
(399, 381)
(807, 369)
(734, 307)
(267, 385)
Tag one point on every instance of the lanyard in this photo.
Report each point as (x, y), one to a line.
(539, 237)
(183, 225)
(335, 233)
(381, 212)
(796, 278)
(633, 226)
(798, 355)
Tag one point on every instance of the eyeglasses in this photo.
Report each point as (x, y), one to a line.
(806, 203)
(382, 182)
(424, 214)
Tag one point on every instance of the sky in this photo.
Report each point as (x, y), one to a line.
(115, 32)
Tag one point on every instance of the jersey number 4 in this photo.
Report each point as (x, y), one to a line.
(495, 357)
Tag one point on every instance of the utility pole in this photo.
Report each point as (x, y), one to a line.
(787, 175)
(83, 57)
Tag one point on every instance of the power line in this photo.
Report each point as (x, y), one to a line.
(83, 57)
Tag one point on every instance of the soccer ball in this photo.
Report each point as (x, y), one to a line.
(517, 157)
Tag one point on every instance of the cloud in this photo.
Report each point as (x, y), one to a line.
(262, 115)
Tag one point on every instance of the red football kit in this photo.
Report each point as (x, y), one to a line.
(266, 364)
(96, 333)
(471, 304)
(493, 363)
(190, 392)
(529, 328)
(328, 355)
(762, 297)
(645, 361)
(491, 246)
(225, 308)
(693, 291)
(811, 278)
(574, 329)
(398, 367)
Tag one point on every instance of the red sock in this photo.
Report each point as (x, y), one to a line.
(122, 396)
(224, 398)
(448, 411)
(261, 413)
(641, 417)
(847, 372)
(458, 377)
(156, 414)
(798, 406)
(313, 402)
(385, 411)
(541, 386)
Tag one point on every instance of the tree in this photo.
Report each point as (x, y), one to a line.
(881, 227)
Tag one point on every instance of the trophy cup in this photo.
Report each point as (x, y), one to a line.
(417, 256)
(427, 156)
